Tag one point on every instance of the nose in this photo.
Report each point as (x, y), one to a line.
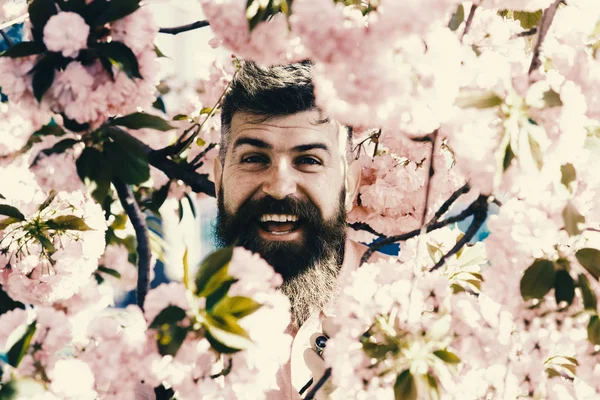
(279, 181)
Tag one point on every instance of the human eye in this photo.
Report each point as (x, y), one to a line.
(308, 161)
(254, 159)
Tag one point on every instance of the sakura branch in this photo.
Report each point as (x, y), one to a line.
(184, 28)
(432, 137)
(199, 183)
(480, 208)
(547, 18)
(430, 227)
(470, 19)
(138, 220)
(448, 203)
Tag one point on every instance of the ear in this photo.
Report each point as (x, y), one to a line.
(352, 183)
(218, 170)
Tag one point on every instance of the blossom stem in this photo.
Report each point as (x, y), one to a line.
(6, 38)
(184, 28)
(311, 395)
(138, 220)
(479, 216)
(472, 209)
(181, 171)
(545, 23)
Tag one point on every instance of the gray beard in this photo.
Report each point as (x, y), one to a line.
(311, 291)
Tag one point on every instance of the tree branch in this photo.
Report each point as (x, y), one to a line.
(181, 171)
(6, 38)
(138, 220)
(197, 161)
(311, 395)
(545, 23)
(362, 226)
(469, 20)
(437, 225)
(479, 216)
(433, 138)
(184, 28)
(448, 203)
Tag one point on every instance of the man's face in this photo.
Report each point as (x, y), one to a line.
(283, 189)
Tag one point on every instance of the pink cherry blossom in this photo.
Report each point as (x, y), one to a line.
(66, 32)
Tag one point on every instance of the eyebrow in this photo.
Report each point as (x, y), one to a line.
(264, 145)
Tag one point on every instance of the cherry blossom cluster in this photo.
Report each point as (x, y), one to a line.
(95, 66)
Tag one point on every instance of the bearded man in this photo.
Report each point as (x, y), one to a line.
(285, 181)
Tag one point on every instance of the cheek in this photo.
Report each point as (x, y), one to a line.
(236, 192)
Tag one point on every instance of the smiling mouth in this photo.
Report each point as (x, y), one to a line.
(279, 224)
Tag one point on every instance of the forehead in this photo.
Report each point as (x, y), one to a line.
(284, 132)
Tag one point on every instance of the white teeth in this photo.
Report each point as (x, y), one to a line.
(278, 218)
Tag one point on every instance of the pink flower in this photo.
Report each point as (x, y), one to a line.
(72, 379)
(66, 32)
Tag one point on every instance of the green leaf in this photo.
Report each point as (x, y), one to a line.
(120, 55)
(433, 384)
(226, 331)
(58, 148)
(537, 280)
(447, 356)
(478, 100)
(536, 152)
(22, 388)
(218, 287)
(191, 204)
(528, 20)
(405, 387)
(18, 350)
(140, 120)
(40, 12)
(181, 117)
(117, 9)
(457, 18)
(589, 297)
(94, 169)
(73, 125)
(564, 287)
(568, 174)
(218, 346)
(68, 222)
(551, 99)
(159, 196)
(572, 219)
(379, 350)
(169, 315)
(48, 201)
(593, 330)
(43, 76)
(109, 271)
(238, 306)
(159, 53)
(12, 212)
(51, 129)
(210, 266)
(590, 260)
(509, 155)
(131, 168)
(72, 5)
(46, 244)
(126, 141)
(4, 223)
(159, 104)
(24, 49)
(7, 303)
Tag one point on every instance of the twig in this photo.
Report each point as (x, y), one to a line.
(547, 18)
(7, 38)
(479, 217)
(184, 28)
(446, 206)
(433, 139)
(469, 20)
(362, 226)
(311, 395)
(133, 211)
(405, 236)
(181, 171)
(197, 161)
